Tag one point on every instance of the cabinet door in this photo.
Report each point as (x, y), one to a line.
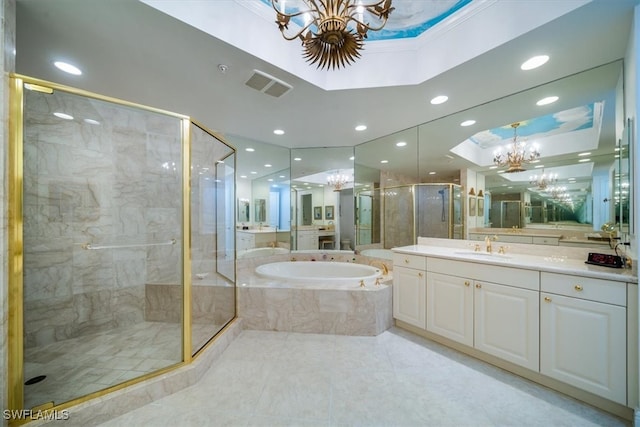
(409, 296)
(450, 307)
(583, 344)
(506, 323)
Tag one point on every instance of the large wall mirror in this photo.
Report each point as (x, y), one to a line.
(322, 208)
(583, 159)
(262, 193)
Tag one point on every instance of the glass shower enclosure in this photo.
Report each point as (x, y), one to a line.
(121, 238)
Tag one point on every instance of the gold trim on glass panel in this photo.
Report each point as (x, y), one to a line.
(81, 92)
(15, 375)
(186, 241)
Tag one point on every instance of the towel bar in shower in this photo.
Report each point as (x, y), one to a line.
(90, 247)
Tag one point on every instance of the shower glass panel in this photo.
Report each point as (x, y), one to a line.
(103, 244)
(212, 236)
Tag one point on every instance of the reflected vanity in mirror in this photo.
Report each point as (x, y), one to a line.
(322, 198)
(577, 160)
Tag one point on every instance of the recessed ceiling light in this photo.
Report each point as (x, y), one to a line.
(278, 132)
(352, 158)
(91, 121)
(617, 156)
(510, 186)
(243, 176)
(584, 154)
(534, 62)
(281, 176)
(270, 179)
(539, 166)
(63, 116)
(251, 150)
(401, 144)
(493, 167)
(548, 100)
(267, 165)
(584, 160)
(253, 172)
(535, 161)
(384, 161)
(468, 123)
(432, 173)
(360, 128)
(68, 68)
(297, 159)
(440, 99)
(571, 179)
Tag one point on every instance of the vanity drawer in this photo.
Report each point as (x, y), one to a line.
(516, 277)
(588, 288)
(410, 261)
(554, 241)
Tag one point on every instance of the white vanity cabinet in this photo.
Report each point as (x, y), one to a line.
(450, 307)
(506, 323)
(501, 320)
(307, 240)
(409, 289)
(583, 333)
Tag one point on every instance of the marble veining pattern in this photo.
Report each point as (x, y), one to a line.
(269, 378)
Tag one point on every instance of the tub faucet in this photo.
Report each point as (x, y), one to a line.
(383, 266)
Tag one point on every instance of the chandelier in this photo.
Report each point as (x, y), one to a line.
(337, 180)
(333, 31)
(543, 181)
(517, 153)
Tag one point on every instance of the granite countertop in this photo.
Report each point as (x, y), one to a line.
(264, 230)
(552, 264)
(516, 233)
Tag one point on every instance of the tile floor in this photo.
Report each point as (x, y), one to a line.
(394, 379)
(83, 365)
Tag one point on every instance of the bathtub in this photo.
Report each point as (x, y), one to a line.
(378, 253)
(260, 252)
(316, 297)
(328, 273)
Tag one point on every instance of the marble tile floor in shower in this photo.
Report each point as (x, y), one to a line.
(395, 379)
(79, 366)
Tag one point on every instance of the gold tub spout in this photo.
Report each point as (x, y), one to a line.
(383, 266)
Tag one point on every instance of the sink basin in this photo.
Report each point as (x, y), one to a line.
(493, 255)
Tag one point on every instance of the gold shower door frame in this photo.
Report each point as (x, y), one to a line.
(15, 253)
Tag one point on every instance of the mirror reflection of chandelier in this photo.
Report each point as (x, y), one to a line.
(337, 180)
(543, 181)
(333, 31)
(517, 153)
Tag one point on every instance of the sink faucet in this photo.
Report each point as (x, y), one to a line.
(487, 242)
(382, 265)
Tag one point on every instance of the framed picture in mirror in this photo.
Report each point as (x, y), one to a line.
(328, 212)
(472, 205)
(480, 206)
(317, 212)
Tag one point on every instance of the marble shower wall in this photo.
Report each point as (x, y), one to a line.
(114, 181)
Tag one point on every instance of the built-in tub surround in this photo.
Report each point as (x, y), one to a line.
(261, 252)
(314, 305)
(341, 275)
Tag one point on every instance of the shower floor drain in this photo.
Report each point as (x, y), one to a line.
(35, 380)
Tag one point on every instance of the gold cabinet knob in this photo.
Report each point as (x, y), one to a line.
(419, 274)
(478, 285)
(466, 283)
(577, 288)
(547, 299)
(406, 261)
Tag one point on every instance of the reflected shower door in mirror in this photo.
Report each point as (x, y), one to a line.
(322, 199)
(382, 163)
(243, 210)
(623, 178)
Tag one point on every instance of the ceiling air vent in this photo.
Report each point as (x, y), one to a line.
(268, 84)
